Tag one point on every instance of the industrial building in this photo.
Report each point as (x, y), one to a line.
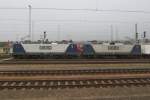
(5, 48)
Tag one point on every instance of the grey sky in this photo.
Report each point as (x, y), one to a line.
(76, 25)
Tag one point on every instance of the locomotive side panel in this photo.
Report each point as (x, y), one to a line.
(45, 48)
(112, 49)
(39, 50)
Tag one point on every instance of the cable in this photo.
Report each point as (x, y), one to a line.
(67, 21)
(92, 10)
(12, 8)
(84, 21)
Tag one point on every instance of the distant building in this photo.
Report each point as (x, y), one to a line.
(5, 48)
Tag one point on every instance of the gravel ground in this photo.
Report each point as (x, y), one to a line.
(109, 93)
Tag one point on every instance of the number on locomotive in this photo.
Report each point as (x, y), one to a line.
(113, 48)
(45, 47)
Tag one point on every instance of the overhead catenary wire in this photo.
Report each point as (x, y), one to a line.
(48, 21)
(86, 9)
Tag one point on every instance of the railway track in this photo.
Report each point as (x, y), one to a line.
(94, 59)
(73, 83)
(79, 78)
(73, 72)
(76, 61)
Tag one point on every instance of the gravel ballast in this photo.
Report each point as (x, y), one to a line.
(108, 93)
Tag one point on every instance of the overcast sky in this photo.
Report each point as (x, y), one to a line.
(74, 24)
